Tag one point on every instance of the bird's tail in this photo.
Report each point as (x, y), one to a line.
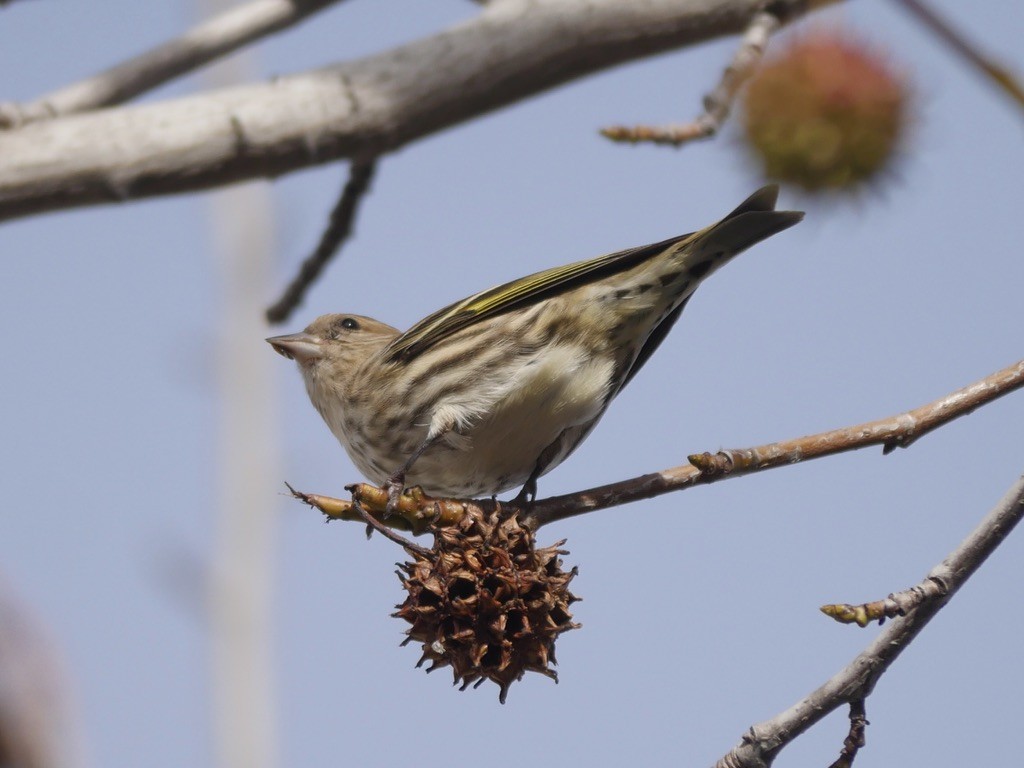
(753, 220)
(674, 275)
(681, 265)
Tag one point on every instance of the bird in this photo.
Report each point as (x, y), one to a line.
(494, 391)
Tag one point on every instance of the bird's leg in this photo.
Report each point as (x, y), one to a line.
(528, 493)
(526, 496)
(395, 484)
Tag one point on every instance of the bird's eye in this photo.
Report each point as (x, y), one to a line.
(340, 325)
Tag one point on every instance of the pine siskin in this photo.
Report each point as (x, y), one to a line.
(497, 389)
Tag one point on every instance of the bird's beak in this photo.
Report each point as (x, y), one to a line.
(301, 347)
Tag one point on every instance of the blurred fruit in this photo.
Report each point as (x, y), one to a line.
(828, 113)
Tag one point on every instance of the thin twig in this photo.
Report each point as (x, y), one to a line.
(1001, 76)
(855, 737)
(215, 37)
(896, 431)
(718, 103)
(339, 227)
(893, 432)
(896, 604)
(763, 742)
(387, 533)
(415, 511)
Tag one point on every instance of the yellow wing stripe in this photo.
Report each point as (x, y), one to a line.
(519, 293)
(533, 288)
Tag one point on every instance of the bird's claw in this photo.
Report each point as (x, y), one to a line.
(526, 496)
(394, 486)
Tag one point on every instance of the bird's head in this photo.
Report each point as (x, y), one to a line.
(333, 347)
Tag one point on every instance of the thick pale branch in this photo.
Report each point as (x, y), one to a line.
(763, 742)
(513, 49)
(208, 41)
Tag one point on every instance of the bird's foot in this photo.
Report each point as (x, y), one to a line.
(395, 486)
(525, 497)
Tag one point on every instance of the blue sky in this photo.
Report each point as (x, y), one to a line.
(700, 612)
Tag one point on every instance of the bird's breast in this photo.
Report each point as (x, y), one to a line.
(553, 390)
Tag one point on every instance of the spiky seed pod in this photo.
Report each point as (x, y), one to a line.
(485, 601)
(828, 113)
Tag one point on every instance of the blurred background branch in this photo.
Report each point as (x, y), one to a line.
(36, 727)
(223, 32)
(512, 49)
(1001, 76)
(242, 564)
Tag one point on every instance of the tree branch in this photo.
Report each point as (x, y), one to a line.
(338, 230)
(762, 744)
(718, 103)
(896, 604)
(855, 736)
(946, 32)
(416, 510)
(219, 35)
(512, 50)
(893, 432)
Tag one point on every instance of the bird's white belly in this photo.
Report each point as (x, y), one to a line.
(558, 388)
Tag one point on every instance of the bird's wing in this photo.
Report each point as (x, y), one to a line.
(762, 201)
(519, 293)
(653, 342)
(529, 290)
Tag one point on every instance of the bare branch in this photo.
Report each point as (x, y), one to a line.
(1001, 76)
(416, 508)
(855, 737)
(892, 432)
(511, 50)
(763, 742)
(718, 103)
(896, 604)
(220, 35)
(416, 511)
(373, 524)
(339, 227)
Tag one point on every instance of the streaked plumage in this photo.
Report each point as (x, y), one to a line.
(498, 389)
